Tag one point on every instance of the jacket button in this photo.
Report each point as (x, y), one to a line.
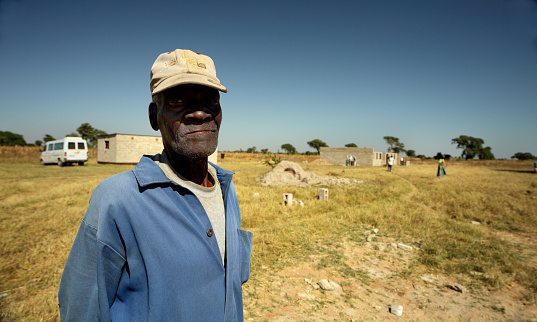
(210, 232)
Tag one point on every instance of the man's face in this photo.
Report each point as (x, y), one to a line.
(188, 117)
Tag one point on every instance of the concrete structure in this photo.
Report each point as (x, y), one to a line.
(364, 156)
(129, 148)
(287, 199)
(323, 194)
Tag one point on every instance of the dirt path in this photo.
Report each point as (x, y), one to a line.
(414, 191)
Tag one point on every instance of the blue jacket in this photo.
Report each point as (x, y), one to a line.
(143, 253)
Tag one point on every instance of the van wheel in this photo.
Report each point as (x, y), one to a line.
(60, 163)
(80, 163)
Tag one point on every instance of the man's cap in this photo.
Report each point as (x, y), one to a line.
(181, 67)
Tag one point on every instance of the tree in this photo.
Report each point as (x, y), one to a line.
(351, 145)
(472, 147)
(48, 138)
(523, 156)
(73, 134)
(439, 156)
(317, 145)
(410, 153)
(264, 151)
(90, 134)
(486, 154)
(11, 139)
(273, 161)
(38, 143)
(395, 145)
(251, 150)
(288, 148)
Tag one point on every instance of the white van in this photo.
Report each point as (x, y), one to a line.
(65, 151)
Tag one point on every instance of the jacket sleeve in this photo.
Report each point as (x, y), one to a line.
(92, 272)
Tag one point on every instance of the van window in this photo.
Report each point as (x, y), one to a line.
(71, 145)
(50, 147)
(58, 146)
(81, 145)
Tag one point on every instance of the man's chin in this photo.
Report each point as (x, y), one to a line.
(196, 151)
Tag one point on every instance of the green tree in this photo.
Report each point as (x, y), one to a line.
(351, 145)
(264, 151)
(73, 135)
(486, 154)
(48, 138)
(394, 144)
(472, 147)
(38, 143)
(11, 139)
(288, 148)
(274, 161)
(251, 150)
(90, 134)
(523, 156)
(317, 145)
(439, 156)
(410, 153)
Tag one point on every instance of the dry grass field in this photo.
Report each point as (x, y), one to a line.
(494, 261)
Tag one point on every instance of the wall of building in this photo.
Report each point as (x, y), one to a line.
(338, 156)
(364, 156)
(128, 149)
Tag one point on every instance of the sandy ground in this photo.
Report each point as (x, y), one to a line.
(372, 283)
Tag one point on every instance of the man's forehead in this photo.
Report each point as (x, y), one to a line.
(190, 89)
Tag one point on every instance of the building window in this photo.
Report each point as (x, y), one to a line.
(107, 145)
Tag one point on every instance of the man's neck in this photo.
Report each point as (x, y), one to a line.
(195, 169)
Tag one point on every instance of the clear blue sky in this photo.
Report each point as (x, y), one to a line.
(340, 71)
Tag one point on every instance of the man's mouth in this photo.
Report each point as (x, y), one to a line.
(200, 131)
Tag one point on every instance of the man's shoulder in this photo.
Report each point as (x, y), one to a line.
(122, 182)
(117, 184)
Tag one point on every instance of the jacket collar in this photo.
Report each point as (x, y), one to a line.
(147, 172)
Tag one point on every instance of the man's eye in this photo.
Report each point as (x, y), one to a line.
(214, 102)
(177, 103)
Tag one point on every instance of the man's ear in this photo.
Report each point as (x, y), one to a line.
(153, 119)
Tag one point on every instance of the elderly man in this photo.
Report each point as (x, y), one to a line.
(163, 242)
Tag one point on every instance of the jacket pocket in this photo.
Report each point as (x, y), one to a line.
(245, 245)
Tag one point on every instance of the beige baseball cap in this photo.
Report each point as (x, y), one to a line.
(183, 67)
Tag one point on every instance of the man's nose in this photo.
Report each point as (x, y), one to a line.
(198, 116)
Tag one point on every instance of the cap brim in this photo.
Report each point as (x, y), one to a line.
(187, 79)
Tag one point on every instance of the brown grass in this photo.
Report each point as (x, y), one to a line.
(41, 208)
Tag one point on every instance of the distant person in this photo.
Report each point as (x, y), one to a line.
(441, 167)
(163, 242)
(390, 163)
(347, 161)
